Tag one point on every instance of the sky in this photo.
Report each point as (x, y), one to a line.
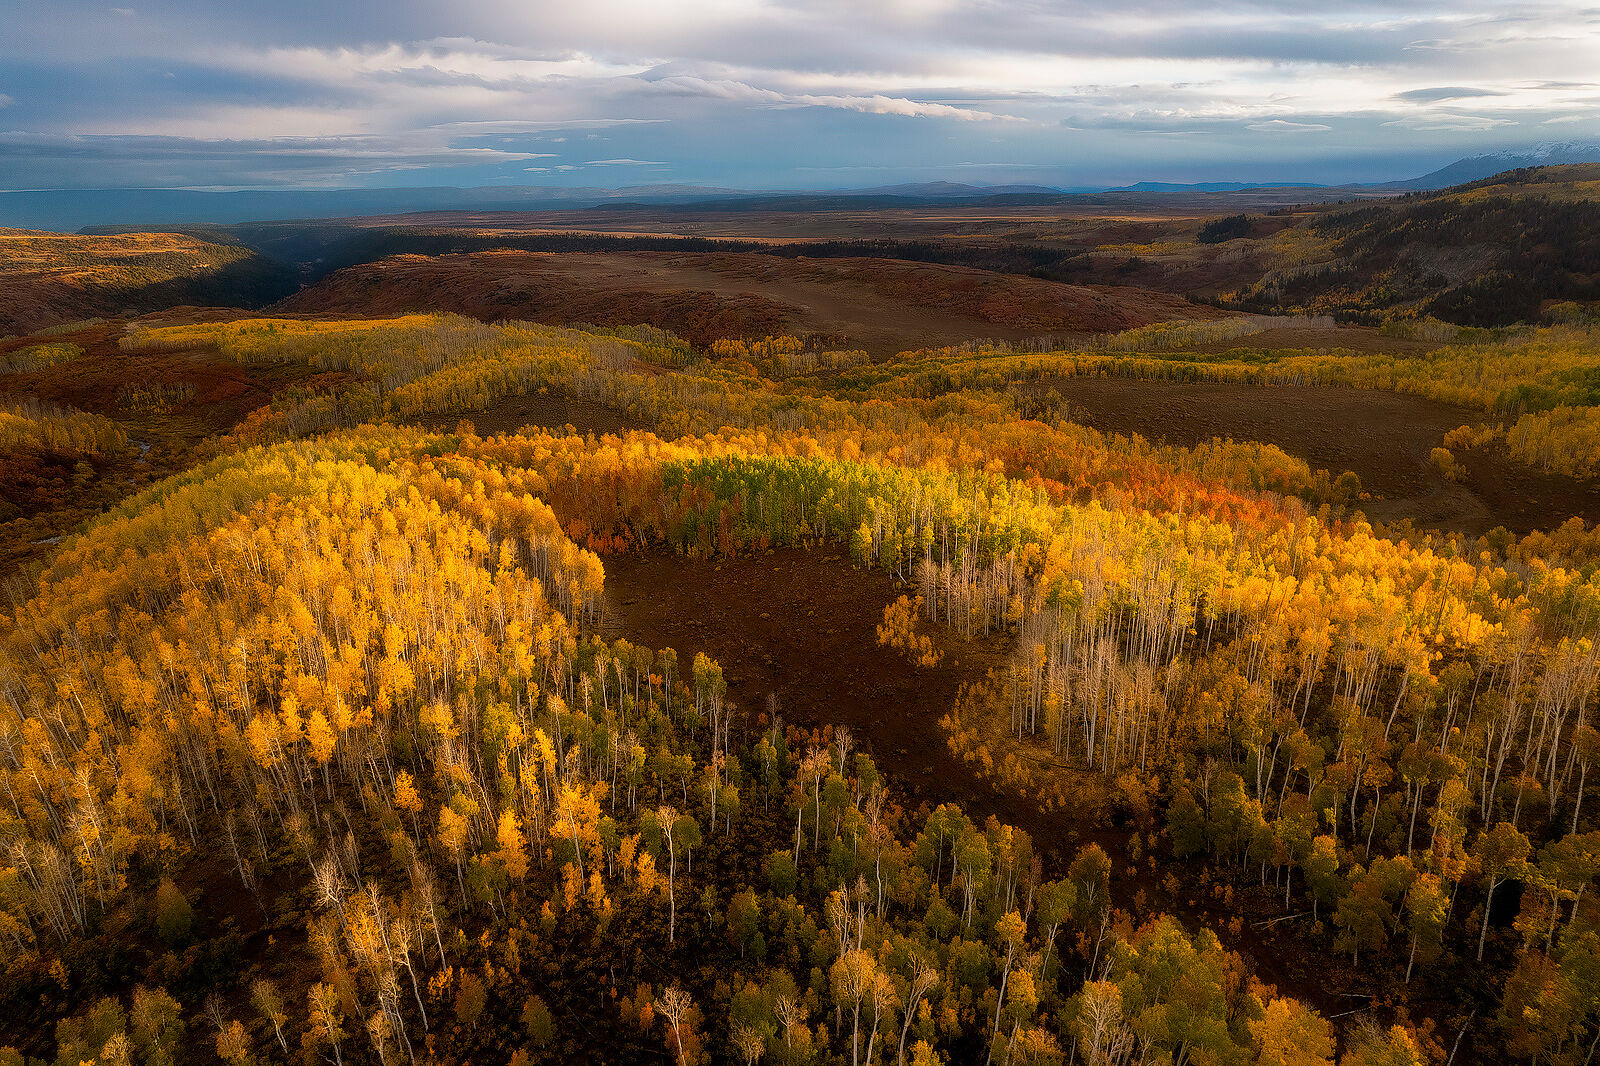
(778, 94)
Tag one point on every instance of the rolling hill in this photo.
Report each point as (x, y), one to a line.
(51, 278)
(1488, 253)
(879, 305)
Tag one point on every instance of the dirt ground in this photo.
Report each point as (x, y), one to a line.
(511, 413)
(1291, 338)
(1383, 437)
(797, 628)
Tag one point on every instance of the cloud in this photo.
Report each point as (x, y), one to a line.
(309, 160)
(474, 91)
(5, 101)
(1444, 92)
(1444, 123)
(1279, 125)
(485, 127)
(624, 163)
(875, 104)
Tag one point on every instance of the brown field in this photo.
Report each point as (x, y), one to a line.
(223, 391)
(1365, 339)
(545, 410)
(880, 305)
(1383, 437)
(794, 630)
(797, 628)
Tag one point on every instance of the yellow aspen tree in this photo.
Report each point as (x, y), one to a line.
(513, 849)
(325, 1024)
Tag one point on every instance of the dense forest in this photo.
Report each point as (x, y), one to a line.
(327, 747)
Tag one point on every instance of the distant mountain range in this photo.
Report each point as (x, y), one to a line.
(956, 190)
(1554, 153)
(1214, 186)
(73, 209)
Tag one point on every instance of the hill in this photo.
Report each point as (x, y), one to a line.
(1489, 253)
(53, 278)
(878, 305)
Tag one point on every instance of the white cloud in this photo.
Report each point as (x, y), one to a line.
(1054, 84)
(1280, 125)
(874, 104)
(1438, 123)
(474, 127)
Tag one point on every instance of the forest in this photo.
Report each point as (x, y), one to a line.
(328, 744)
(1489, 253)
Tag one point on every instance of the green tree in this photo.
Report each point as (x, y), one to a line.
(1321, 870)
(744, 922)
(1427, 906)
(1056, 902)
(537, 1022)
(1090, 875)
(156, 1024)
(174, 916)
(1502, 855)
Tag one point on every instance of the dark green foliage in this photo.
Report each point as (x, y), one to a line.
(781, 873)
(1473, 260)
(174, 916)
(1227, 228)
(537, 1022)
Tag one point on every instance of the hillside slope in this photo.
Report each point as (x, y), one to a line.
(880, 305)
(50, 278)
(1489, 253)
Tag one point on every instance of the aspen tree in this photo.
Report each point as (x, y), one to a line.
(673, 1005)
(269, 1004)
(667, 818)
(852, 977)
(1501, 854)
(924, 978)
(324, 1025)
